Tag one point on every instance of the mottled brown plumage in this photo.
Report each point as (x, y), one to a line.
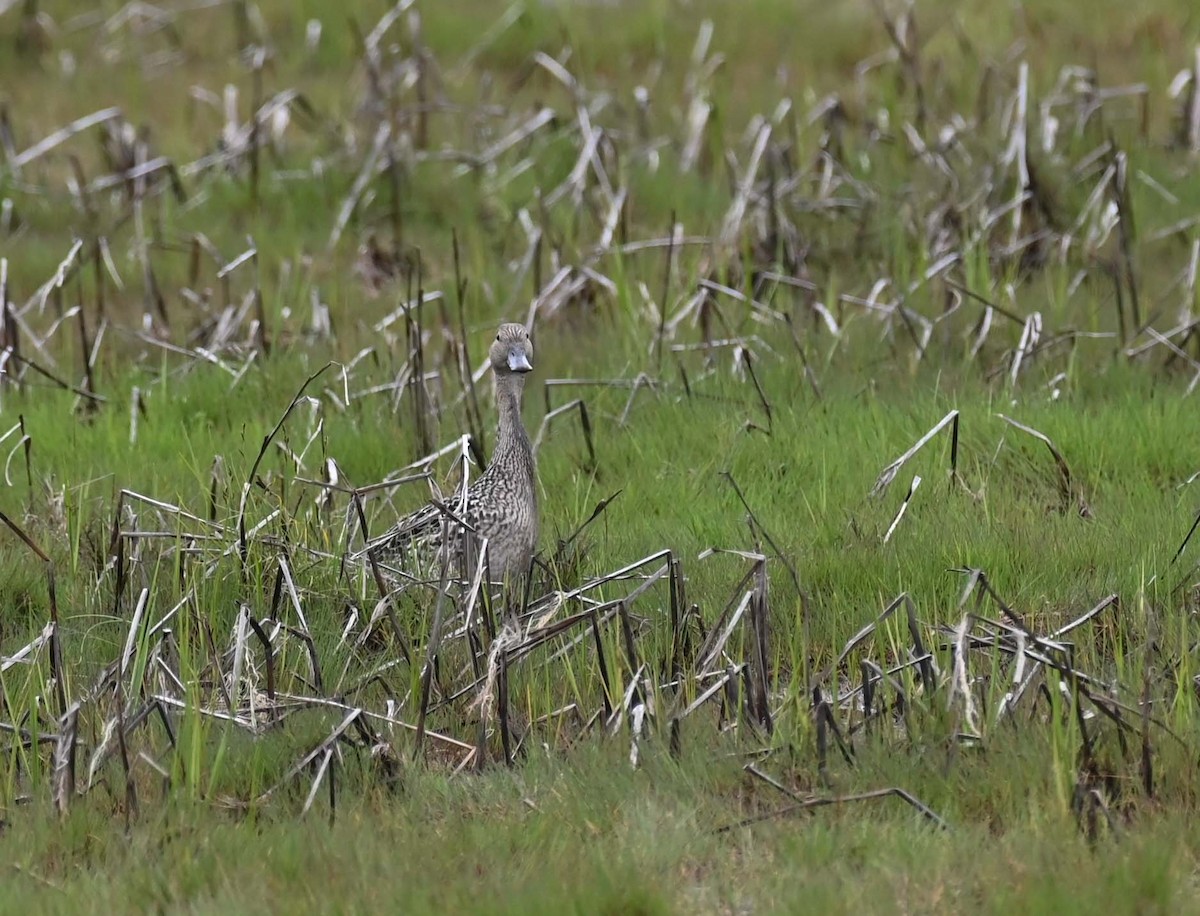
(502, 504)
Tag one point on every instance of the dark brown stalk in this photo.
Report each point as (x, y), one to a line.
(243, 549)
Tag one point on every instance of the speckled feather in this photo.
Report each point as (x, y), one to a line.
(502, 503)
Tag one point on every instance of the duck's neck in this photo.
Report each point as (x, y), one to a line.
(511, 434)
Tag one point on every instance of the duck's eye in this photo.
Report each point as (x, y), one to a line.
(497, 337)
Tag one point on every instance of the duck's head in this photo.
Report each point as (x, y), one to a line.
(512, 350)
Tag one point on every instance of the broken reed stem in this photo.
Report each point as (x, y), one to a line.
(664, 300)
(57, 671)
(474, 411)
(435, 642)
(502, 708)
(243, 548)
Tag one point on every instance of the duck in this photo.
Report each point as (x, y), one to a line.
(502, 504)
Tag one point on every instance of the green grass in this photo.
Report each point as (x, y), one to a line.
(209, 816)
(559, 838)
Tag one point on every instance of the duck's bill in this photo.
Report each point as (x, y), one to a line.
(518, 361)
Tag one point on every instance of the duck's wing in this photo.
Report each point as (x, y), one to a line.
(422, 529)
